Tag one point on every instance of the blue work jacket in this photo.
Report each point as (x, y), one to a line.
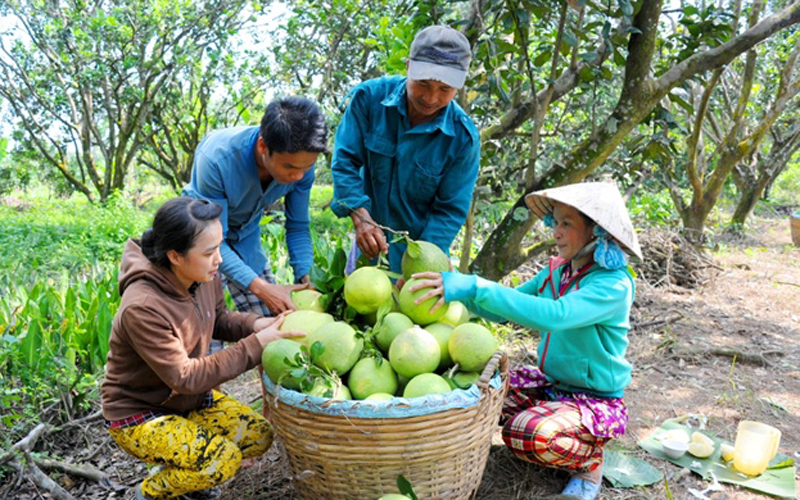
(416, 179)
(225, 171)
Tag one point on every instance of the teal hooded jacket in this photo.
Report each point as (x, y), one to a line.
(584, 332)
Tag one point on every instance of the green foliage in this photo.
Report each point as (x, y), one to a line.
(58, 296)
(84, 81)
(655, 207)
(53, 236)
(53, 347)
(709, 27)
(787, 186)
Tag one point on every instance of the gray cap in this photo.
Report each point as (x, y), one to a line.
(439, 53)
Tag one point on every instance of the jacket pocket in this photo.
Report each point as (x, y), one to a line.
(600, 378)
(570, 370)
(380, 157)
(424, 182)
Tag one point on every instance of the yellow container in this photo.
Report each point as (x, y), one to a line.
(756, 444)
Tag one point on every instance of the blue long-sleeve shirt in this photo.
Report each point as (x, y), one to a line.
(225, 171)
(584, 332)
(416, 179)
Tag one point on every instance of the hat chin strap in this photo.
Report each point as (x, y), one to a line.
(583, 252)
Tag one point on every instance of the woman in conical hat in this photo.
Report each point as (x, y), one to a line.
(561, 412)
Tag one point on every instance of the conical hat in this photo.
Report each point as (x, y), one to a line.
(600, 201)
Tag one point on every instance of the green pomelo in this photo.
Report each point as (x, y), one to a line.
(306, 322)
(419, 313)
(424, 384)
(366, 289)
(457, 314)
(442, 333)
(273, 361)
(372, 318)
(462, 380)
(393, 496)
(393, 323)
(379, 396)
(421, 256)
(307, 300)
(326, 389)
(368, 377)
(342, 346)
(414, 351)
(471, 346)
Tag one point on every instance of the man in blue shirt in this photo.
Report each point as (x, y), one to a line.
(246, 169)
(406, 155)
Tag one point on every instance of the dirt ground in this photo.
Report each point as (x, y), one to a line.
(682, 348)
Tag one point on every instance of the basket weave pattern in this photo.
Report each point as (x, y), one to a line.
(442, 454)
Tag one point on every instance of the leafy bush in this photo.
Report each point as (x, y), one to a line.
(653, 207)
(787, 186)
(56, 235)
(53, 346)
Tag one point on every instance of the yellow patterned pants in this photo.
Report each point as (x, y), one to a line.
(198, 451)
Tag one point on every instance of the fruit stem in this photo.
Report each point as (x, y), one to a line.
(406, 234)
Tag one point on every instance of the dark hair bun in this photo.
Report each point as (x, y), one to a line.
(148, 244)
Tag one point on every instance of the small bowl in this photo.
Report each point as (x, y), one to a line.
(673, 448)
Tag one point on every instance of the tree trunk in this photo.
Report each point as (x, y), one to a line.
(747, 201)
(502, 251)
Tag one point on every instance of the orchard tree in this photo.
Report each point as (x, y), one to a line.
(82, 80)
(218, 89)
(735, 128)
(643, 88)
(754, 177)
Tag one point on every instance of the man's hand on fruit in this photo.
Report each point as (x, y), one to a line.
(369, 237)
(277, 297)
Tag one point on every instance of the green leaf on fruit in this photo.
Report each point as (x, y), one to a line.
(317, 349)
(405, 488)
(414, 249)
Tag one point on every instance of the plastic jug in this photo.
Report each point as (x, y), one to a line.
(756, 444)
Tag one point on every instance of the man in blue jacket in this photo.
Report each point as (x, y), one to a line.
(247, 169)
(406, 155)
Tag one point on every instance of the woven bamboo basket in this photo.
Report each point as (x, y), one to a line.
(795, 224)
(442, 454)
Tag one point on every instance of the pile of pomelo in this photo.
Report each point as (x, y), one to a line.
(393, 347)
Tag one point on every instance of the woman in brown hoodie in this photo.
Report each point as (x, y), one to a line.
(157, 394)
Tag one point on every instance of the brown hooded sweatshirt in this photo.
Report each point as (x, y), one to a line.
(159, 338)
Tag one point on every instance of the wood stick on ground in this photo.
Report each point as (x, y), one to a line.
(787, 283)
(755, 358)
(34, 473)
(80, 421)
(97, 449)
(85, 471)
(44, 481)
(657, 322)
(24, 444)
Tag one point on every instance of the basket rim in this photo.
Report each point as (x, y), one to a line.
(493, 378)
